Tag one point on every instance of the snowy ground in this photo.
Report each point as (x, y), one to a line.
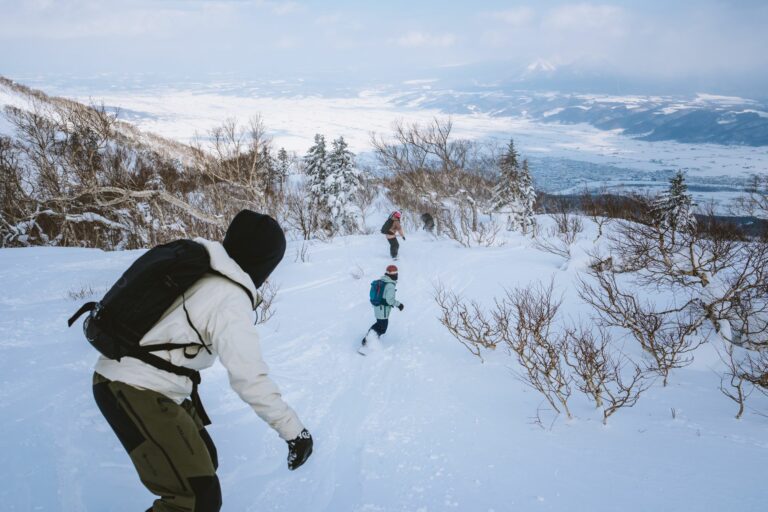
(420, 425)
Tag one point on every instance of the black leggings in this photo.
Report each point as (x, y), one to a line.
(393, 247)
(380, 327)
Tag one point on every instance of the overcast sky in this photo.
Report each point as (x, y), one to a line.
(648, 38)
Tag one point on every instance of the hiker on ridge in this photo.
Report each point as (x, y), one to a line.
(391, 228)
(150, 409)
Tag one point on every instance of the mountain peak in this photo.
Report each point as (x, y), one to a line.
(540, 66)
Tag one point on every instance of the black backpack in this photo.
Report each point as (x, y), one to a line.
(139, 298)
(387, 226)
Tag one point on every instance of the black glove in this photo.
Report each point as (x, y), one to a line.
(403, 238)
(401, 306)
(299, 449)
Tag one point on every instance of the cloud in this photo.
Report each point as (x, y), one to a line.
(585, 18)
(515, 17)
(416, 39)
(283, 8)
(648, 38)
(287, 42)
(328, 19)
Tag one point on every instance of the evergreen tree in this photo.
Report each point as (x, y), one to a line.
(341, 185)
(282, 167)
(508, 194)
(673, 209)
(317, 173)
(525, 211)
(267, 171)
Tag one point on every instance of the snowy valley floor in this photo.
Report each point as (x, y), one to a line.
(420, 425)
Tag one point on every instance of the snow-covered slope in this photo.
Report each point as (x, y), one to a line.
(420, 425)
(15, 95)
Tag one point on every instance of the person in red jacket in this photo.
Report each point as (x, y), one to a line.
(391, 228)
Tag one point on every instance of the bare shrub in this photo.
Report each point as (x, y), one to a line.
(595, 210)
(539, 350)
(755, 369)
(365, 195)
(461, 224)
(668, 336)
(468, 322)
(76, 175)
(715, 275)
(264, 302)
(413, 148)
(589, 358)
(73, 177)
(302, 253)
(298, 214)
(553, 359)
(83, 292)
(432, 172)
(734, 383)
(522, 322)
(755, 200)
(722, 277)
(611, 380)
(561, 236)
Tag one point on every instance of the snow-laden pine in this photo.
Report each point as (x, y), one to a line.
(332, 182)
(341, 184)
(514, 194)
(316, 170)
(673, 209)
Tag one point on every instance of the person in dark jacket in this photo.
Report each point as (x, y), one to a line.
(429, 221)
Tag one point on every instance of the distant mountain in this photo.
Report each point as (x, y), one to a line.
(540, 67)
(702, 119)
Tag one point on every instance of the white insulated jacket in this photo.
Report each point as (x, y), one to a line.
(223, 314)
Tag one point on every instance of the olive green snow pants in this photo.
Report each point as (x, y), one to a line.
(168, 445)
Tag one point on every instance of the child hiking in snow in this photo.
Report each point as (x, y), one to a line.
(383, 300)
(148, 393)
(391, 228)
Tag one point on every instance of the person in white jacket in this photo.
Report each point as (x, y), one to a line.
(150, 410)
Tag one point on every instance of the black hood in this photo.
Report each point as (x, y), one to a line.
(256, 242)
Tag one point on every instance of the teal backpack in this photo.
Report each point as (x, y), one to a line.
(377, 292)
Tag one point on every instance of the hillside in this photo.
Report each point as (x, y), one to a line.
(420, 425)
(16, 95)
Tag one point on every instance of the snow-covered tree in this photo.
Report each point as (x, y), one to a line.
(341, 185)
(283, 166)
(524, 213)
(265, 166)
(514, 194)
(316, 169)
(673, 208)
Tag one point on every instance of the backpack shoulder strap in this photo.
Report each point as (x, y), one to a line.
(241, 285)
(88, 306)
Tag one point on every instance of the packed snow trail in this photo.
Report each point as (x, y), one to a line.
(419, 425)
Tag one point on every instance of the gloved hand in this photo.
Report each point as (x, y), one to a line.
(299, 449)
(401, 306)
(403, 237)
